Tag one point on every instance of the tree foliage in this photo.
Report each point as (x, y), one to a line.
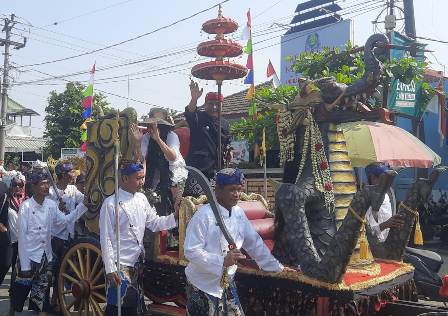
(348, 65)
(252, 130)
(64, 117)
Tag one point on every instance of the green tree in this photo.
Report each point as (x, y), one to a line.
(348, 65)
(64, 117)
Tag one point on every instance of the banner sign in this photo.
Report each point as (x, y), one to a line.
(314, 40)
(71, 152)
(402, 97)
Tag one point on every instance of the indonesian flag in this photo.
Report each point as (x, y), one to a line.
(246, 33)
(272, 75)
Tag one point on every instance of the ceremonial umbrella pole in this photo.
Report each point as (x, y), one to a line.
(117, 204)
(219, 83)
(218, 69)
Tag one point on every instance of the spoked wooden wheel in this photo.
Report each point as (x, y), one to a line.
(81, 280)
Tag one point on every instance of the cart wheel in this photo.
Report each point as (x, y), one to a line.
(81, 279)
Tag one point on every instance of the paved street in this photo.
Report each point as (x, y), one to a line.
(4, 298)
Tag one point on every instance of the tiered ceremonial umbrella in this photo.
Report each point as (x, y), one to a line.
(219, 69)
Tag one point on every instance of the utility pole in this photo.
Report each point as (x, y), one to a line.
(9, 24)
(409, 18)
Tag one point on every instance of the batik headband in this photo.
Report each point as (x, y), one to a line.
(38, 176)
(130, 168)
(376, 170)
(63, 168)
(230, 176)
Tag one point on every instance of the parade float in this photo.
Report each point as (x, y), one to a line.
(318, 224)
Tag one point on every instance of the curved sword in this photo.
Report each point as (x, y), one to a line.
(211, 198)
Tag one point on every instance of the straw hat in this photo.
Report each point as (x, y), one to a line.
(159, 116)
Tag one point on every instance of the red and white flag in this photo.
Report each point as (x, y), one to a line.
(272, 75)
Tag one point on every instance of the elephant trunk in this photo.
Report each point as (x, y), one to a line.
(374, 69)
(335, 261)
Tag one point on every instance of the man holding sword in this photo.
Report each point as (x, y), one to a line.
(135, 215)
(68, 197)
(212, 266)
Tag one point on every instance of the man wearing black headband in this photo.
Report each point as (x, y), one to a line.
(38, 216)
(387, 216)
(71, 197)
(207, 250)
(136, 214)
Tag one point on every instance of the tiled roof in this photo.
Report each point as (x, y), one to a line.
(236, 105)
(18, 144)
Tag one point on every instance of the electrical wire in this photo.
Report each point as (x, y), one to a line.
(310, 32)
(431, 39)
(88, 13)
(130, 39)
(157, 57)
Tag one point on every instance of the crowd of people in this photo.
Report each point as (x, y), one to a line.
(36, 225)
(38, 216)
(38, 213)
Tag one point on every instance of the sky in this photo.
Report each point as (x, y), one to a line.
(59, 29)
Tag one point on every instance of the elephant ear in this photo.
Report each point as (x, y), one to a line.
(309, 95)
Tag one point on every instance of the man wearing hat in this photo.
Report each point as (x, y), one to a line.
(209, 258)
(37, 218)
(204, 132)
(387, 216)
(70, 198)
(135, 215)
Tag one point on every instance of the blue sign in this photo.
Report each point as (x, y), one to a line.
(314, 40)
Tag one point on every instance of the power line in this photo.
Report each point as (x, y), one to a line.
(310, 32)
(359, 12)
(130, 39)
(431, 39)
(88, 13)
(105, 92)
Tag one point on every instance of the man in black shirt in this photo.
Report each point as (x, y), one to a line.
(204, 126)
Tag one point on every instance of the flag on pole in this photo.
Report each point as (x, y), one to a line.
(272, 75)
(442, 118)
(247, 32)
(263, 144)
(87, 104)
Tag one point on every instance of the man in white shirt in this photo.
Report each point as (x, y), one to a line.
(386, 217)
(71, 197)
(210, 262)
(135, 214)
(37, 217)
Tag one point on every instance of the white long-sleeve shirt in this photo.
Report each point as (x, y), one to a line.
(13, 222)
(205, 247)
(384, 213)
(36, 222)
(177, 166)
(72, 197)
(136, 214)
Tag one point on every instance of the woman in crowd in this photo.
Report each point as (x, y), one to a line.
(15, 194)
